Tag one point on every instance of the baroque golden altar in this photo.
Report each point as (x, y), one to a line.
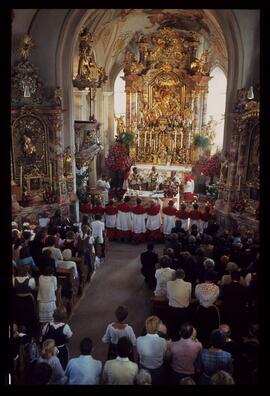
(166, 92)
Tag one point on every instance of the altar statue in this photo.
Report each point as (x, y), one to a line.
(29, 149)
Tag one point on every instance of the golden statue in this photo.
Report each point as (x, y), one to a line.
(67, 162)
(28, 148)
(120, 128)
(26, 47)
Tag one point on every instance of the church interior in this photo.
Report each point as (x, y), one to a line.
(135, 189)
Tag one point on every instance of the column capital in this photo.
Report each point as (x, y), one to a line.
(107, 93)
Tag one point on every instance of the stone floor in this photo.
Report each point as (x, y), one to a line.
(117, 281)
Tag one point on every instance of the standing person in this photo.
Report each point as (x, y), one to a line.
(46, 295)
(189, 188)
(169, 214)
(103, 184)
(153, 179)
(116, 330)
(110, 220)
(151, 349)
(121, 371)
(138, 222)
(179, 296)
(195, 216)
(206, 216)
(97, 209)
(184, 353)
(86, 249)
(149, 259)
(98, 231)
(84, 370)
(60, 332)
(124, 220)
(36, 246)
(56, 253)
(153, 221)
(183, 215)
(135, 179)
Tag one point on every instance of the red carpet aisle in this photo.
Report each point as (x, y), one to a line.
(117, 281)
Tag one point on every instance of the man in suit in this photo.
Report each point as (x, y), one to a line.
(148, 261)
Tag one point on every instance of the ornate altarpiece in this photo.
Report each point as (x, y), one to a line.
(164, 88)
(40, 181)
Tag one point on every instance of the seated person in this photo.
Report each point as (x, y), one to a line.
(67, 263)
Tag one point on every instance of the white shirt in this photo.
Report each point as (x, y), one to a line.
(98, 228)
(179, 293)
(120, 371)
(67, 265)
(43, 221)
(112, 334)
(56, 253)
(151, 349)
(83, 370)
(47, 288)
(207, 294)
(21, 279)
(163, 275)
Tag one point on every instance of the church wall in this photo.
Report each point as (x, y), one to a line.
(248, 21)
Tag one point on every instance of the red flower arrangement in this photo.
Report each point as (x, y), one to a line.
(238, 207)
(118, 159)
(209, 166)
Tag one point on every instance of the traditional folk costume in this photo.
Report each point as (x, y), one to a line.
(153, 223)
(138, 223)
(183, 215)
(169, 214)
(123, 221)
(195, 218)
(110, 221)
(189, 189)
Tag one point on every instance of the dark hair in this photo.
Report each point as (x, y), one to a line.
(70, 235)
(210, 276)
(126, 199)
(194, 227)
(121, 313)
(110, 203)
(180, 274)
(171, 203)
(85, 220)
(186, 330)
(218, 339)
(17, 243)
(200, 252)
(42, 373)
(26, 235)
(48, 270)
(52, 229)
(40, 234)
(50, 241)
(139, 201)
(195, 206)
(207, 239)
(150, 246)
(124, 347)
(98, 217)
(183, 206)
(178, 223)
(59, 315)
(22, 269)
(24, 252)
(236, 276)
(164, 261)
(86, 345)
(97, 203)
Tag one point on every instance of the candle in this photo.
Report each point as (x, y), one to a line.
(175, 134)
(21, 177)
(150, 137)
(145, 137)
(50, 172)
(181, 139)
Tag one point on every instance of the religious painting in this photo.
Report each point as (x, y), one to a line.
(29, 146)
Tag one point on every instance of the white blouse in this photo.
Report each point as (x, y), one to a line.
(112, 334)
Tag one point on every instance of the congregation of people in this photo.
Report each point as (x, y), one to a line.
(203, 328)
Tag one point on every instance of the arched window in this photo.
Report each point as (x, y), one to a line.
(119, 97)
(216, 104)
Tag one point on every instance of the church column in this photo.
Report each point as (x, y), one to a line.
(128, 107)
(204, 107)
(195, 110)
(133, 106)
(92, 179)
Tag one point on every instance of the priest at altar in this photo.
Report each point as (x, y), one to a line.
(154, 179)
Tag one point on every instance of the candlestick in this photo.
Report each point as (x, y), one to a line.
(150, 143)
(175, 134)
(181, 139)
(145, 137)
(21, 178)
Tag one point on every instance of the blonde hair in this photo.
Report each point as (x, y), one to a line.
(47, 348)
(152, 324)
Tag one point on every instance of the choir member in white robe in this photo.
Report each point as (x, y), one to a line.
(153, 221)
(189, 189)
(138, 222)
(183, 215)
(124, 220)
(169, 214)
(110, 216)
